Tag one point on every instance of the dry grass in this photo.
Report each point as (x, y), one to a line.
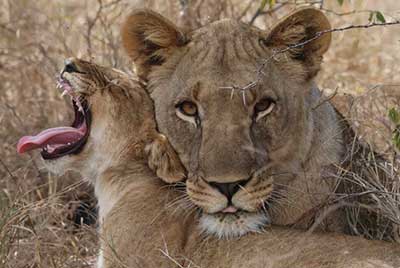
(35, 225)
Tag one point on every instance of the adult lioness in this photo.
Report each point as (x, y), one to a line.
(253, 140)
(141, 226)
(112, 142)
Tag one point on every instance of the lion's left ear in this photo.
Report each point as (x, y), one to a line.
(163, 160)
(148, 38)
(300, 26)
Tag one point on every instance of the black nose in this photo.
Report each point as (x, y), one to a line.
(228, 189)
(70, 67)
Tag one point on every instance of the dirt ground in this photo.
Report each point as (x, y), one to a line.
(36, 208)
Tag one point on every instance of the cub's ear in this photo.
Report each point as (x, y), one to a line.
(148, 38)
(163, 160)
(300, 26)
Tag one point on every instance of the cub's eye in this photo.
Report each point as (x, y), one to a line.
(188, 111)
(187, 108)
(262, 42)
(263, 107)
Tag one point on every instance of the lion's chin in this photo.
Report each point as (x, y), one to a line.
(228, 225)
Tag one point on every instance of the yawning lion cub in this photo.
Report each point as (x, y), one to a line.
(112, 142)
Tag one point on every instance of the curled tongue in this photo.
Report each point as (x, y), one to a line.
(51, 138)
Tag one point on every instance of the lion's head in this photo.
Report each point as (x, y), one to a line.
(241, 132)
(114, 122)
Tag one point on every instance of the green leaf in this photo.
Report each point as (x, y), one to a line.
(262, 5)
(396, 139)
(371, 16)
(394, 116)
(380, 17)
(340, 2)
(272, 3)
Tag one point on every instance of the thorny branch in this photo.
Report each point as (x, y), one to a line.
(245, 10)
(323, 100)
(275, 52)
(241, 90)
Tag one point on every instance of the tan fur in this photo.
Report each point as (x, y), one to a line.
(283, 248)
(143, 221)
(291, 146)
(123, 143)
(287, 165)
(149, 34)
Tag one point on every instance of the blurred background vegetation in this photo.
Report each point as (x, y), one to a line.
(38, 211)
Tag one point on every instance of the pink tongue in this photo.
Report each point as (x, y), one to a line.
(58, 135)
(230, 209)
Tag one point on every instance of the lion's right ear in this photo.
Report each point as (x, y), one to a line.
(149, 38)
(164, 161)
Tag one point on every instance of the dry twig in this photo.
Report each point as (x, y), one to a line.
(303, 43)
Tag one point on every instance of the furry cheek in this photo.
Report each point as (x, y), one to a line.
(204, 196)
(62, 165)
(253, 195)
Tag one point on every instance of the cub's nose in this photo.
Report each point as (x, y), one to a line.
(228, 189)
(70, 66)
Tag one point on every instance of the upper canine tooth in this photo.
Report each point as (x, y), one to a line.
(65, 92)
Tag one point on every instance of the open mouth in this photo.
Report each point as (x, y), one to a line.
(60, 141)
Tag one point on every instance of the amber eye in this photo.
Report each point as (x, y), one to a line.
(263, 107)
(188, 108)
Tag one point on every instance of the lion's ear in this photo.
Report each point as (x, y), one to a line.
(300, 26)
(163, 160)
(148, 38)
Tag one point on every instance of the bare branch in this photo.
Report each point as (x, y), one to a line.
(323, 100)
(245, 10)
(316, 36)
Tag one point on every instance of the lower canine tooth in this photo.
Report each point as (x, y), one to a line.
(80, 108)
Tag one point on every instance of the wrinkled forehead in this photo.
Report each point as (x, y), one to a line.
(221, 59)
(225, 47)
(226, 30)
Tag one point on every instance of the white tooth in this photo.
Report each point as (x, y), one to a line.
(68, 143)
(64, 93)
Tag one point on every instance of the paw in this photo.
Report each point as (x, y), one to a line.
(164, 161)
